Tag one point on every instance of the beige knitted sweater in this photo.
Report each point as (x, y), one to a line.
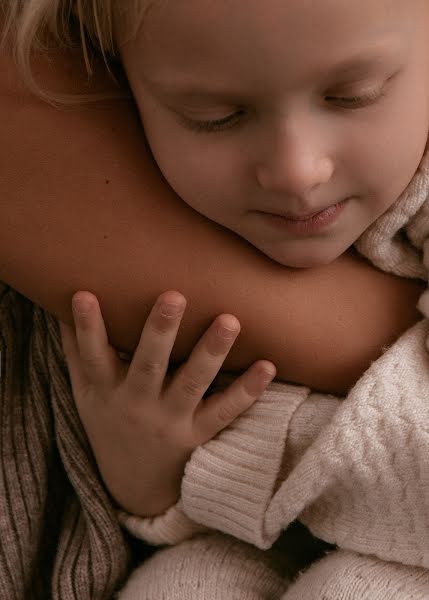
(354, 470)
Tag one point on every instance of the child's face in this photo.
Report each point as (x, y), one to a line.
(285, 107)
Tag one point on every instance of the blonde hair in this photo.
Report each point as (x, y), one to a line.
(97, 26)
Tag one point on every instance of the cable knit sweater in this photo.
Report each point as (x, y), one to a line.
(354, 470)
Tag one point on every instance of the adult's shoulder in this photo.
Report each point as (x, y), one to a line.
(57, 70)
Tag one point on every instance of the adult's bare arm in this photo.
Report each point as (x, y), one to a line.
(84, 207)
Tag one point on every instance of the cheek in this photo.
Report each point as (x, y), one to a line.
(175, 157)
(193, 174)
(388, 151)
(403, 153)
(200, 171)
(407, 139)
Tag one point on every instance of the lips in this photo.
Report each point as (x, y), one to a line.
(304, 225)
(292, 217)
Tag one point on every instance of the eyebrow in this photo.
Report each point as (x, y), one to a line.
(360, 64)
(191, 90)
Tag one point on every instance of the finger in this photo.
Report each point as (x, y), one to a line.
(71, 353)
(220, 410)
(193, 379)
(149, 365)
(98, 359)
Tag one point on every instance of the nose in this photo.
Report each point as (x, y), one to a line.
(295, 164)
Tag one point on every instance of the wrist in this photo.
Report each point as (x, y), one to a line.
(140, 497)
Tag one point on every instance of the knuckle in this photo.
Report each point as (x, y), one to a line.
(191, 387)
(172, 435)
(151, 367)
(92, 361)
(228, 412)
(162, 433)
(131, 417)
(162, 325)
(251, 387)
(219, 346)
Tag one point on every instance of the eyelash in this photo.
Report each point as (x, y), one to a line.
(217, 124)
(232, 120)
(355, 102)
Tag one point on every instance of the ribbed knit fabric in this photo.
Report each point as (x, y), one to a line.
(59, 536)
(362, 481)
(172, 528)
(356, 472)
(255, 442)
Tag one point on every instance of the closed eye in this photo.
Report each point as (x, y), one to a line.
(215, 124)
(354, 102)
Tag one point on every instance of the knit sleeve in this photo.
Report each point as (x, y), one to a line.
(238, 469)
(230, 482)
(169, 528)
(355, 472)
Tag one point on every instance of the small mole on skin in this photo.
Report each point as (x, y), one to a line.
(105, 236)
(107, 181)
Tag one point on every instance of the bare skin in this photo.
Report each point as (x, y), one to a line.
(146, 409)
(91, 212)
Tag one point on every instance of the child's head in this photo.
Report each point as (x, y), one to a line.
(280, 106)
(285, 107)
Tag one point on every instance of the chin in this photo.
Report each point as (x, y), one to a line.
(302, 255)
(300, 262)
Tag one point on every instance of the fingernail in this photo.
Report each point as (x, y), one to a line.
(267, 375)
(171, 309)
(81, 307)
(227, 333)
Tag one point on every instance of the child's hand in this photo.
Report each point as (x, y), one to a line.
(142, 424)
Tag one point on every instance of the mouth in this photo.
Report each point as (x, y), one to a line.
(305, 217)
(304, 224)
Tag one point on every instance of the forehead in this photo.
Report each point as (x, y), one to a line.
(213, 34)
